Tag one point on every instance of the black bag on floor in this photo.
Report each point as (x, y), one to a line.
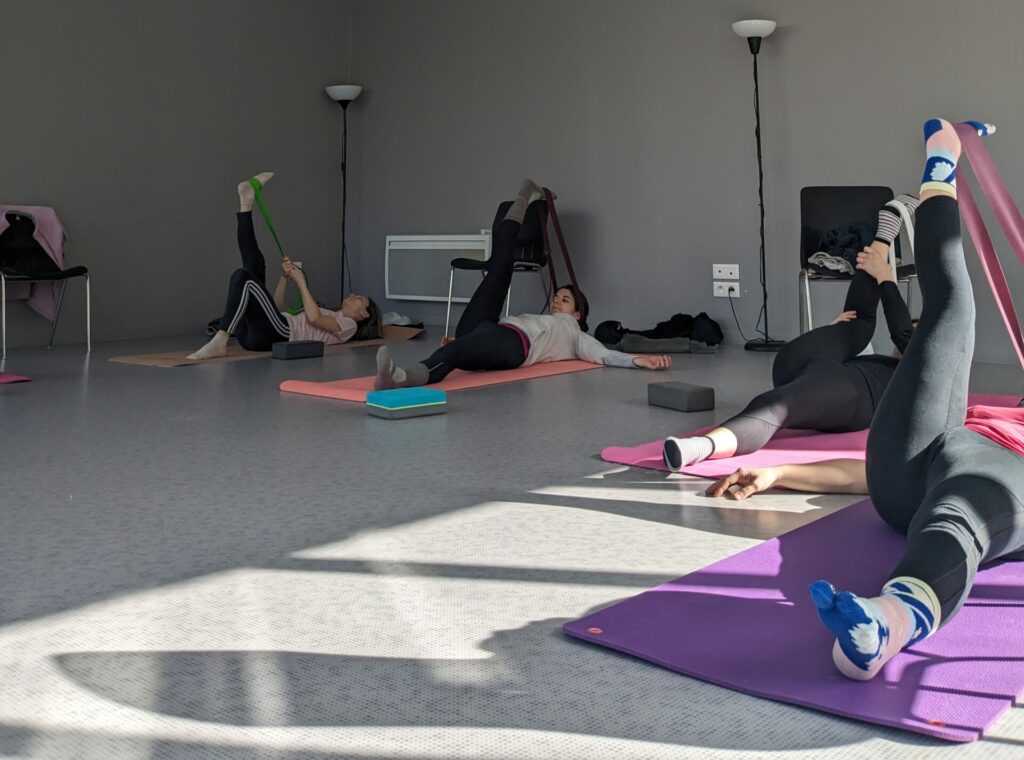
(701, 328)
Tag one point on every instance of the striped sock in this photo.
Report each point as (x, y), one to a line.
(889, 219)
(942, 150)
(922, 602)
(682, 452)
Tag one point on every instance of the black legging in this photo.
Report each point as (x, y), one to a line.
(250, 313)
(950, 489)
(817, 386)
(480, 342)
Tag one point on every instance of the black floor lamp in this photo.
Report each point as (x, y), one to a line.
(344, 94)
(754, 31)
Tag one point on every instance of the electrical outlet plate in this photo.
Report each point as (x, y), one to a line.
(721, 289)
(725, 271)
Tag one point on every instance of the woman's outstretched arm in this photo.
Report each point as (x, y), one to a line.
(831, 476)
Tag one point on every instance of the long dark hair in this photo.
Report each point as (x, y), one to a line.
(582, 305)
(370, 328)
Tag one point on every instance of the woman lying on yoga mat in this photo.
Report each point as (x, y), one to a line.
(954, 487)
(820, 382)
(486, 341)
(257, 318)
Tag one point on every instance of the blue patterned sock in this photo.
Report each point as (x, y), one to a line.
(920, 600)
(942, 149)
(984, 130)
(869, 632)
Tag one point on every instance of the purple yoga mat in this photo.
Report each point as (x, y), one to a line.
(747, 623)
(788, 447)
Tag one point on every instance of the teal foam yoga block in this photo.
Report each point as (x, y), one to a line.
(403, 403)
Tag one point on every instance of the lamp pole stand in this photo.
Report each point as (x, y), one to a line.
(344, 190)
(343, 94)
(765, 342)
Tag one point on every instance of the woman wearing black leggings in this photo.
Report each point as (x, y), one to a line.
(820, 382)
(257, 318)
(486, 341)
(948, 476)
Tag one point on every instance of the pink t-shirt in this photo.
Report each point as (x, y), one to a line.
(1002, 424)
(301, 329)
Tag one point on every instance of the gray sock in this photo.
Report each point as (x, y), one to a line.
(518, 209)
(682, 452)
(416, 375)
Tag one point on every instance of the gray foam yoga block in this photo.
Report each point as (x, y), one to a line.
(298, 349)
(682, 396)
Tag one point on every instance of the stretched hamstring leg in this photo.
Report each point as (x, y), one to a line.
(248, 248)
(487, 300)
(927, 394)
(907, 450)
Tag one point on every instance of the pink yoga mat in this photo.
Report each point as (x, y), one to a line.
(747, 623)
(788, 447)
(356, 388)
(8, 378)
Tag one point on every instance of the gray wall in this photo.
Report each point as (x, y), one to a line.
(136, 119)
(639, 115)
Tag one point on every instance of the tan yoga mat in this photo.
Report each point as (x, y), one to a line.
(392, 334)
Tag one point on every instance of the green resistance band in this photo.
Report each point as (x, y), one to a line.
(257, 187)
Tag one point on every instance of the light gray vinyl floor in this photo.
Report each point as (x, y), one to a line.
(195, 565)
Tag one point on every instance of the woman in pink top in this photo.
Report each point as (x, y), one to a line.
(949, 477)
(257, 318)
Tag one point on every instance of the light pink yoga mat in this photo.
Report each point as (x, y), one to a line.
(356, 388)
(8, 378)
(788, 447)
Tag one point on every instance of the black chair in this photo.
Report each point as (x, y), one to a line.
(823, 208)
(23, 261)
(531, 253)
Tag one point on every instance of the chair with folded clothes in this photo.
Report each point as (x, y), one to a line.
(843, 218)
(531, 250)
(32, 266)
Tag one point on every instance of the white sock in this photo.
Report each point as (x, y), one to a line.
(217, 346)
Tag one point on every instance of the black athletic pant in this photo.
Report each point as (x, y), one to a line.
(954, 492)
(250, 313)
(814, 387)
(480, 343)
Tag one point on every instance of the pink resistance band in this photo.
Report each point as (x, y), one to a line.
(1009, 217)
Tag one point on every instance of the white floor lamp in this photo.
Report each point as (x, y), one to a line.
(344, 94)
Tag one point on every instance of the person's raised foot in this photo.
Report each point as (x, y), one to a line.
(247, 189)
(942, 152)
(983, 129)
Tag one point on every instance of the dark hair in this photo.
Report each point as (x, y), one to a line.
(582, 305)
(370, 328)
